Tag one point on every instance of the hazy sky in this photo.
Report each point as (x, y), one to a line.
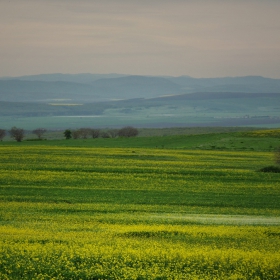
(200, 38)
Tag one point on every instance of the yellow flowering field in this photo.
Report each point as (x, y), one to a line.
(264, 133)
(123, 213)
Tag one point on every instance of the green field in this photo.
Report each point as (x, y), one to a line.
(142, 208)
(175, 138)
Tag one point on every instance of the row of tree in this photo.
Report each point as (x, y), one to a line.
(18, 133)
(85, 133)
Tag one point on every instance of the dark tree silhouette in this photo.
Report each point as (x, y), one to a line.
(68, 134)
(76, 134)
(17, 133)
(2, 134)
(95, 133)
(39, 132)
(85, 132)
(105, 134)
(128, 131)
(113, 133)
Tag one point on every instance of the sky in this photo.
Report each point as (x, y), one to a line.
(198, 38)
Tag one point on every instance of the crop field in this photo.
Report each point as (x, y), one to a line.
(70, 212)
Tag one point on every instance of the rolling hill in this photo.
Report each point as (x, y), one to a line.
(116, 100)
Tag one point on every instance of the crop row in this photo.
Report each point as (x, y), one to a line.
(88, 213)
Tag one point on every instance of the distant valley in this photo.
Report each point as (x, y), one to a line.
(112, 100)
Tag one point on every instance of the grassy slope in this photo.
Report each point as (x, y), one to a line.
(214, 181)
(76, 210)
(222, 152)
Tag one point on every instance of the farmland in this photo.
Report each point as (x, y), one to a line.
(70, 210)
(59, 101)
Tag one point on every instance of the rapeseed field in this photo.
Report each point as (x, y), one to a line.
(137, 213)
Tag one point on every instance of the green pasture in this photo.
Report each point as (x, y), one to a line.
(184, 138)
(140, 176)
(172, 207)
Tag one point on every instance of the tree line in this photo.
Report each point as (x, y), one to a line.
(84, 133)
(18, 134)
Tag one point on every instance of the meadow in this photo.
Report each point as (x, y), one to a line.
(70, 210)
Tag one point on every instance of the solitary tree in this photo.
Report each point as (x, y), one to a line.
(17, 133)
(67, 133)
(39, 132)
(2, 134)
(128, 131)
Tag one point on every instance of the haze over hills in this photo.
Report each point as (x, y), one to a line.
(138, 100)
(101, 87)
(24, 89)
(253, 84)
(73, 78)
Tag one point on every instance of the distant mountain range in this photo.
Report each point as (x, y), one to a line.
(142, 100)
(98, 87)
